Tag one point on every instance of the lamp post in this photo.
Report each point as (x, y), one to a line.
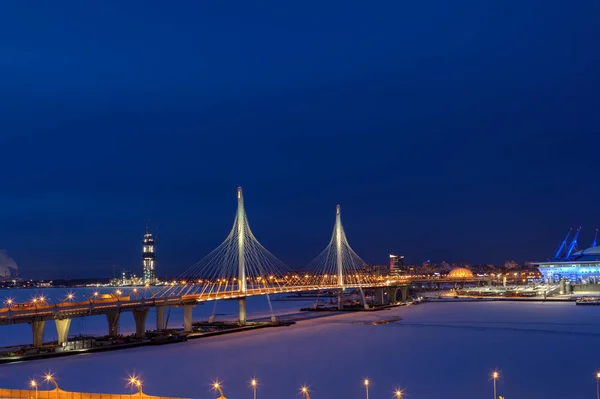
(304, 391)
(217, 387)
(136, 382)
(495, 377)
(254, 384)
(398, 394)
(597, 385)
(366, 382)
(34, 384)
(50, 378)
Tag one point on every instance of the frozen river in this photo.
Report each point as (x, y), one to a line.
(437, 350)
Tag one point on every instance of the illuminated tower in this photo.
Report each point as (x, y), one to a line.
(148, 260)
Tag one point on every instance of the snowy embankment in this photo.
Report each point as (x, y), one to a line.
(436, 350)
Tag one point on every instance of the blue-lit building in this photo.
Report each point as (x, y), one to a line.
(573, 265)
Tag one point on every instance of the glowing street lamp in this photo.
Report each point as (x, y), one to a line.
(254, 384)
(366, 382)
(136, 382)
(70, 296)
(597, 386)
(495, 376)
(34, 384)
(217, 387)
(304, 391)
(398, 394)
(50, 378)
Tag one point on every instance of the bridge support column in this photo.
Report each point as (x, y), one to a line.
(562, 287)
(113, 323)
(37, 327)
(62, 328)
(242, 304)
(404, 292)
(379, 296)
(391, 294)
(340, 299)
(187, 317)
(437, 286)
(140, 322)
(160, 318)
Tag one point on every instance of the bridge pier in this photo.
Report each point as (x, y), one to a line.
(187, 318)
(160, 318)
(113, 323)
(37, 328)
(242, 304)
(379, 297)
(140, 322)
(340, 299)
(391, 294)
(62, 329)
(404, 292)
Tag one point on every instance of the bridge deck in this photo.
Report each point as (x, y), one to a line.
(45, 311)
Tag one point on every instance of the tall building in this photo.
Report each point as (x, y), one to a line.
(396, 265)
(148, 259)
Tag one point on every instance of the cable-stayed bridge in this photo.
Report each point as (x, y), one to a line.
(238, 268)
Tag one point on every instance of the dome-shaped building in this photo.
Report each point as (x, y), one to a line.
(460, 272)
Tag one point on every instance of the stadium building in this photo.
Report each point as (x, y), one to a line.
(578, 268)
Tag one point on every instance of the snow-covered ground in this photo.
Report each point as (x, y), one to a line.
(439, 350)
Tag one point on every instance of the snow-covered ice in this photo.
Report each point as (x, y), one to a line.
(437, 350)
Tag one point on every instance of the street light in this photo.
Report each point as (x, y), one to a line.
(50, 378)
(217, 387)
(304, 391)
(70, 296)
(495, 377)
(254, 384)
(597, 386)
(8, 302)
(366, 382)
(34, 384)
(398, 394)
(136, 382)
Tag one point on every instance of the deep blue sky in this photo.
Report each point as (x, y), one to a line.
(457, 131)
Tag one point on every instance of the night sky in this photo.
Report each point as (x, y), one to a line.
(460, 131)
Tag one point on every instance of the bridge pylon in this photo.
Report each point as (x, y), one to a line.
(239, 267)
(338, 265)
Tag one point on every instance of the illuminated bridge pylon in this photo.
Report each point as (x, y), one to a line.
(240, 266)
(338, 265)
